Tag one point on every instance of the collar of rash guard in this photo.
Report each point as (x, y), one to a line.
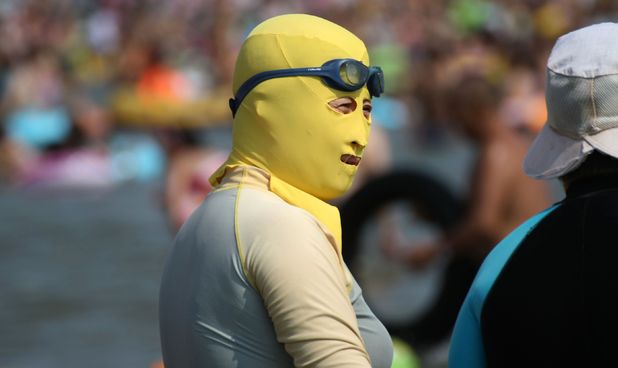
(285, 126)
(326, 214)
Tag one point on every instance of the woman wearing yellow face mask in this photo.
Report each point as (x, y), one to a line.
(256, 278)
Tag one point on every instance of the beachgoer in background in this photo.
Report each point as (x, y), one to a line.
(501, 196)
(190, 165)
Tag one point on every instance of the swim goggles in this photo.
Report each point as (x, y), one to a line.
(341, 74)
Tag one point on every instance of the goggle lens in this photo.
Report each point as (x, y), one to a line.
(352, 74)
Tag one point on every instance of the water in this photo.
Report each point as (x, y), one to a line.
(79, 275)
(80, 270)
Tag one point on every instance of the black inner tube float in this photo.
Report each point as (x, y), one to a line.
(437, 205)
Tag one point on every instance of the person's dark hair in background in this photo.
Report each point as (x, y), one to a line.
(545, 295)
(470, 100)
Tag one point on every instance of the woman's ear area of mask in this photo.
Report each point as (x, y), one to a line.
(347, 105)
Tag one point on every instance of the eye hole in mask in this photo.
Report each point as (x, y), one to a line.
(347, 105)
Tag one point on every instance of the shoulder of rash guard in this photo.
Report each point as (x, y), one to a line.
(263, 214)
(300, 277)
(270, 229)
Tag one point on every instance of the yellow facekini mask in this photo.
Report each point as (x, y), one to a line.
(286, 127)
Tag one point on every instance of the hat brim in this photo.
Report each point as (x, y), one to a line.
(605, 141)
(553, 155)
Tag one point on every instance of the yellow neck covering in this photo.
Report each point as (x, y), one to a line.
(285, 125)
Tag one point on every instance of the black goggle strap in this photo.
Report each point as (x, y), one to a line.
(246, 87)
(372, 76)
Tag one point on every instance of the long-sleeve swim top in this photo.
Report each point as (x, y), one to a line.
(545, 296)
(255, 282)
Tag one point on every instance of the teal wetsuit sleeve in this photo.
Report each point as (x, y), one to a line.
(466, 349)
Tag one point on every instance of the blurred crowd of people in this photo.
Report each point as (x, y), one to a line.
(98, 92)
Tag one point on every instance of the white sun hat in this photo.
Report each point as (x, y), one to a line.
(582, 102)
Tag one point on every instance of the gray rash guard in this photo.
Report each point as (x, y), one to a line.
(255, 282)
